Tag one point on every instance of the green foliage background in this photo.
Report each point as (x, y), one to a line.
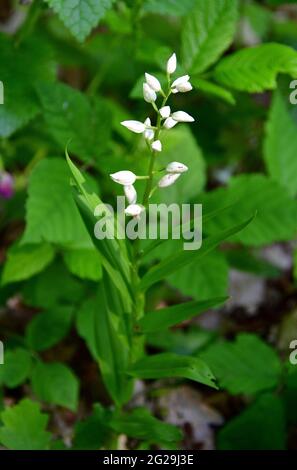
(71, 72)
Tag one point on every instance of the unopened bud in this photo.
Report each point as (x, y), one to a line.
(134, 126)
(124, 177)
(165, 112)
(157, 146)
(153, 82)
(182, 116)
(176, 167)
(171, 64)
(149, 94)
(168, 180)
(169, 123)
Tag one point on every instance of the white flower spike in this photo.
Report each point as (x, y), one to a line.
(124, 177)
(171, 64)
(131, 194)
(182, 116)
(165, 112)
(148, 133)
(169, 123)
(149, 94)
(153, 82)
(176, 167)
(134, 210)
(168, 180)
(157, 146)
(134, 126)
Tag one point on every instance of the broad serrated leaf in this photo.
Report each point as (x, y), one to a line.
(54, 286)
(280, 145)
(232, 363)
(167, 317)
(24, 427)
(26, 261)
(32, 62)
(84, 263)
(93, 431)
(56, 384)
(207, 32)
(166, 365)
(276, 211)
(51, 212)
(202, 280)
(16, 367)
(48, 328)
(75, 120)
(261, 426)
(140, 424)
(169, 7)
(255, 69)
(80, 16)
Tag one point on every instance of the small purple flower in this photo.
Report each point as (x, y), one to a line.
(6, 185)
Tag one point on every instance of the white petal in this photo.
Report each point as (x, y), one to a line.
(149, 134)
(131, 194)
(157, 146)
(165, 112)
(134, 210)
(169, 123)
(180, 80)
(147, 122)
(184, 87)
(168, 180)
(176, 167)
(171, 64)
(153, 82)
(148, 93)
(182, 116)
(134, 126)
(124, 177)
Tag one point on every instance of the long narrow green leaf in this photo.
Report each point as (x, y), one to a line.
(166, 317)
(173, 365)
(183, 258)
(112, 342)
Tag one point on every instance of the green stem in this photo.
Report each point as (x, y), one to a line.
(149, 184)
(30, 21)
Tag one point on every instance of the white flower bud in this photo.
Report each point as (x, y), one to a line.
(134, 210)
(157, 146)
(149, 134)
(181, 84)
(168, 180)
(169, 123)
(134, 126)
(153, 82)
(171, 64)
(148, 93)
(182, 116)
(176, 167)
(124, 177)
(180, 80)
(165, 112)
(131, 194)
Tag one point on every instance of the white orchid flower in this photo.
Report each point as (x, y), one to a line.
(168, 180)
(153, 82)
(181, 84)
(149, 94)
(148, 133)
(134, 126)
(182, 116)
(176, 167)
(130, 193)
(171, 64)
(157, 146)
(169, 123)
(134, 210)
(124, 177)
(165, 112)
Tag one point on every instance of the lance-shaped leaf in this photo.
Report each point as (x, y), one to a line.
(166, 317)
(183, 258)
(169, 365)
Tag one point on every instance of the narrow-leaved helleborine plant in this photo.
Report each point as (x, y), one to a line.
(121, 323)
